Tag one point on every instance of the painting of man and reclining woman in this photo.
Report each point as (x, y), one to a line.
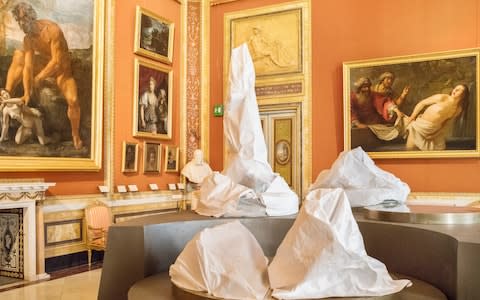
(424, 106)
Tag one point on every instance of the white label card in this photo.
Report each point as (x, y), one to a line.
(103, 188)
(132, 188)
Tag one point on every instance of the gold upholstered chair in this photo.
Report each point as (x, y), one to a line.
(98, 218)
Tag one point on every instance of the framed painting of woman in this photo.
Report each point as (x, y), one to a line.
(152, 105)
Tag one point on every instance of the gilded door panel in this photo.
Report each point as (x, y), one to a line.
(281, 127)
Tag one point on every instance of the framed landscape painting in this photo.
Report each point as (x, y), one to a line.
(153, 36)
(413, 106)
(152, 104)
(53, 122)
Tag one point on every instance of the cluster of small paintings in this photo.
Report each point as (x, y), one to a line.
(152, 157)
(152, 104)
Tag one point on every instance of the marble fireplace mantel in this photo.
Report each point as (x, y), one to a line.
(26, 195)
(12, 190)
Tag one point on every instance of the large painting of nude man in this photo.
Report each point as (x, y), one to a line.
(50, 81)
(415, 106)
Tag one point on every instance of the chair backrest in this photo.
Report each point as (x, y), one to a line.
(98, 216)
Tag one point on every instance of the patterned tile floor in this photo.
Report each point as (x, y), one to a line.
(61, 286)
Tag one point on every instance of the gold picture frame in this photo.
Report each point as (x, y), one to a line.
(152, 105)
(277, 40)
(172, 155)
(274, 39)
(62, 148)
(378, 91)
(153, 36)
(129, 157)
(152, 158)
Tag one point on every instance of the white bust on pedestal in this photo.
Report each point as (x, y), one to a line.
(196, 169)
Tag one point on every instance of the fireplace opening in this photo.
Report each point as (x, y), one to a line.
(11, 246)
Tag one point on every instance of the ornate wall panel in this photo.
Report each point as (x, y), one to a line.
(193, 78)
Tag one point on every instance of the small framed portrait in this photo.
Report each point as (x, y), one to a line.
(171, 158)
(152, 105)
(153, 36)
(129, 157)
(151, 157)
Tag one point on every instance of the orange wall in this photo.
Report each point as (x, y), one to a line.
(69, 183)
(124, 86)
(346, 30)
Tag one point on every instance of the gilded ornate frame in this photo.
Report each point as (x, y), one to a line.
(159, 21)
(147, 146)
(279, 53)
(152, 67)
(176, 153)
(125, 147)
(425, 75)
(80, 162)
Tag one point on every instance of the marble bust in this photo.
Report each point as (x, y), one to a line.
(196, 169)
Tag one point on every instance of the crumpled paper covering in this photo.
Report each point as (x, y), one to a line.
(247, 157)
(325, 255)
(224, 261)
(219, 195)
(364, 183)
(279, 199)
(246, 165)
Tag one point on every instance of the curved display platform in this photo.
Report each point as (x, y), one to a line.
(151, 287)
(420, 290)
(445, 256)
(424, 214)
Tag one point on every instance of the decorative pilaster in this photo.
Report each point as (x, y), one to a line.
(193, 78)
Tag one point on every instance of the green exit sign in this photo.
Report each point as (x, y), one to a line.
(218, 110)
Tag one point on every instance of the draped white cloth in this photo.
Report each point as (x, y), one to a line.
(247, 163)
(220, 196)
(247, 157)
(429, 136)
(224, 261)
(364, 183)
(325, 255)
